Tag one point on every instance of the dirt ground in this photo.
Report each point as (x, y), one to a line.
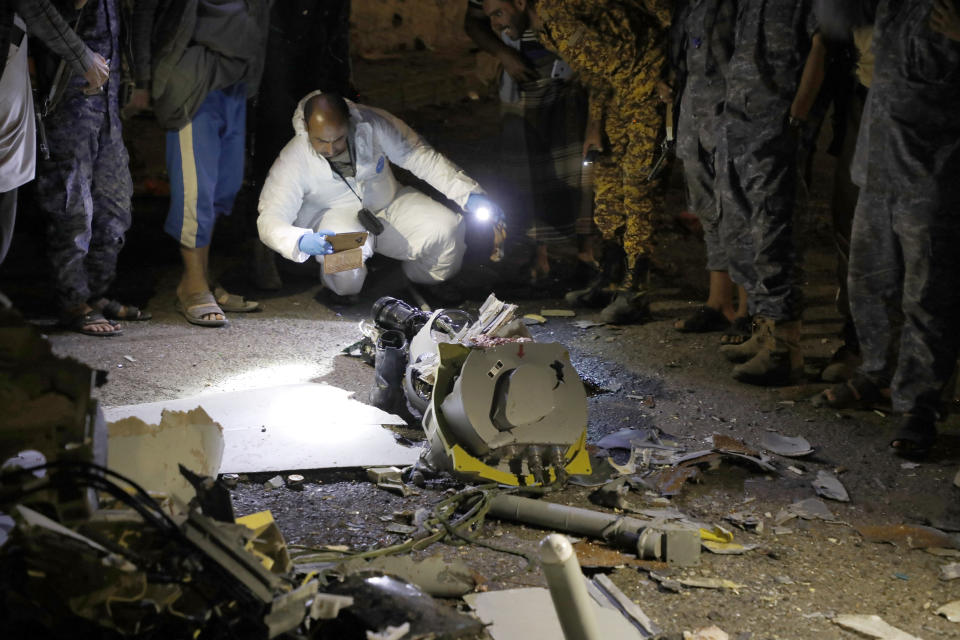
(792, 583)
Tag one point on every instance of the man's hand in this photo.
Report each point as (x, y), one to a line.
(484, 209)
(516, 66)
(945, 19)
(315, 244)
(97, 74)
(139, 101)
(592, 137)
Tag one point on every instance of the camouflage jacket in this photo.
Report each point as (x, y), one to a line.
(613, 44)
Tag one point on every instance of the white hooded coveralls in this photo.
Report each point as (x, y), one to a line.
(302, 194)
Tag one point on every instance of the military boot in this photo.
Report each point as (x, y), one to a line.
(390, 363)
(779, 360)
(749, 348)
(630, 304)
(599, 292)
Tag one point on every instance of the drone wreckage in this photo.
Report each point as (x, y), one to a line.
(494, 404)
(87, 552)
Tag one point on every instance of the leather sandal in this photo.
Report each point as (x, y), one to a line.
(196, 305)
(80, 322)
(116, 310)
(704, 319)
(914, 438)
(738, 332)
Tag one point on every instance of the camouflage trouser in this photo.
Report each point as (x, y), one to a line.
(842, 205)
(696, 147)
(84, 190)
(625, 201)
(758, 186)
(904, 297)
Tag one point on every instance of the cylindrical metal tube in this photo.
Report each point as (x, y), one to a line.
(575, 607)
(583, 522)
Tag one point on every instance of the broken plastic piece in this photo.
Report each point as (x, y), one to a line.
(273, 483)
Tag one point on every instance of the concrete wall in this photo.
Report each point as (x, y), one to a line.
(379, 26)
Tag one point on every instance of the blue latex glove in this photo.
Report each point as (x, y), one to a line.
(484, 209)
(315, 244)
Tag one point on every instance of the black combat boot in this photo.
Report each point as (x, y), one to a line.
(599, 292)
(630, 304)
(390, 364)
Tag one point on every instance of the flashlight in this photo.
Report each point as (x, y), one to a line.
(591, 157)
(483, 214)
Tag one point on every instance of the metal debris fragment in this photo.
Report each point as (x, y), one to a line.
(872, 627)
(809, 509)
(710, 583)
(435, 575)
(712, 632)
(631, 438)
(587, 324)
(827, 485)
(950, 611)
(787, 446)
(912, 536)
(726, 444)
(626, 606)
(557, 313)
(950, 571)
(727, 548)
(273, 483)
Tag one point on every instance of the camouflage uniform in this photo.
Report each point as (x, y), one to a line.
(904, 259)
(758, 176)
(85, 187)
(620, 54)
(702, 43)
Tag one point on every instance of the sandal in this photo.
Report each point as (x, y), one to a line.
(704, 319)
(115, 310)
(197, 305)
(234, 303)
(857, 392)
(738, 332)
(915, 437)
(80, 322)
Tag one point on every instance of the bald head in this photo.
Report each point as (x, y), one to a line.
(328, 123)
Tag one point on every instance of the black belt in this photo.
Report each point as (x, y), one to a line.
(17, 35)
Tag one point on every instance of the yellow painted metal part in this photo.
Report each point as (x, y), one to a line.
(267, 542)
(452, 358)
(466, 464)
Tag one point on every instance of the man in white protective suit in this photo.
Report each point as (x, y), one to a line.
(337, 164)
